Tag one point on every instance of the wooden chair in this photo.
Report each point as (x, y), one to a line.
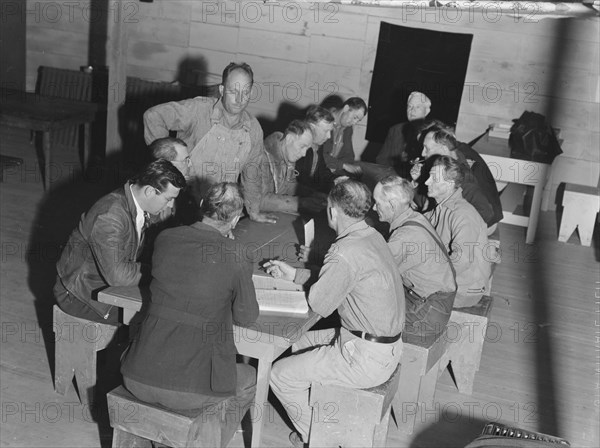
(77, 341)
(581, 204)
(138, 424)
(351, 417)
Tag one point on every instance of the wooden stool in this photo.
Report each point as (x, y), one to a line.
(465, 336)
(581, 204)
(77, 341)
(423, 359)
(351, 417)
(137, 423)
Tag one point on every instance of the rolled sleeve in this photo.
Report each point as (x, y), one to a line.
(336, 281)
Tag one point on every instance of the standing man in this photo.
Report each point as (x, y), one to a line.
(105, 247)
(338, 151)
(281, 191)
(401, 144)
(360, 280)
(421, 258)
(184, 357)
(461, 229)
(225, 140)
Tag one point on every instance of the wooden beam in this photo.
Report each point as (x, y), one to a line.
(116, 60)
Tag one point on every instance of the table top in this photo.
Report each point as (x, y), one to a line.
(262, 242)
(43, 113)
(498, 147)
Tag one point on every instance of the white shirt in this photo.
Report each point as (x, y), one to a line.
(139, 217)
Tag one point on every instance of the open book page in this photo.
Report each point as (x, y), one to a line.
(281, 301)
(265, 281)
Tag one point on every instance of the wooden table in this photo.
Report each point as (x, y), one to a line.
(272, 334)
(504, 168)
(29, 110)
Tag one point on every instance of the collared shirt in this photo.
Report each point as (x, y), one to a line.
(422, 264)
(359, 278)
(464, 233)
(192, 119)
(140, 217)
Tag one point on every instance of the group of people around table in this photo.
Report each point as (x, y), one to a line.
(183, 356)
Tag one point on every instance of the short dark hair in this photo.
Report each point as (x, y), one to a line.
(159, 174)
(237, 66)
(164, 148)
(223, 201)
(315, 114)
(397, 187)
(297, 127)
(356, 103)
(352, 197)
(453, 169)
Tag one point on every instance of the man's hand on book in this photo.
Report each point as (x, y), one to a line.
(280, 269)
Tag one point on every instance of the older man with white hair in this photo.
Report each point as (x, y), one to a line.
(421, 258)
(401, 144)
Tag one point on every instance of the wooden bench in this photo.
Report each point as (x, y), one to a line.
(581, 204)
(465, 335)
(423, 360)
(351, 417)
(77, 341)
(138, 424)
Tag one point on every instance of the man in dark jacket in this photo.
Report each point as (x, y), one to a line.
(105, 247)
(479, 186)
(184, 356)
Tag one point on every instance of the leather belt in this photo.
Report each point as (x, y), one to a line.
(372, 338)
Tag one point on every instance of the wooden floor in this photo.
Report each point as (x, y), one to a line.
(540, 368)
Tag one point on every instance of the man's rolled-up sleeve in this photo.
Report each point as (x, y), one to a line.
(251, 172)
(336, 281)
(171, 116)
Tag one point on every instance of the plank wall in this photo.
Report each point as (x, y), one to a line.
(300, 52)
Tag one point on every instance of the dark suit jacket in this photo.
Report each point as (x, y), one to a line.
(201, 284)
(103, 250)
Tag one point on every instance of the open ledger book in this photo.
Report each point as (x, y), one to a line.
(279, 296)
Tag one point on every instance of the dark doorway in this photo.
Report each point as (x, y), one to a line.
(410, 59)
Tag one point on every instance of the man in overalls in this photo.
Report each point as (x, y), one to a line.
(225, 140)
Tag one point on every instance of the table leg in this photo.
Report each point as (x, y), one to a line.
(259, 410)
(46, 148)
(534, 213)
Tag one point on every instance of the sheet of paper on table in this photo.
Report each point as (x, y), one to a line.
(265, 281)
(281, 301)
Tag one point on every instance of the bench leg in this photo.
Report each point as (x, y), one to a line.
(64, 370)
(381, 430)
(567, 224)
(405, 402)
(465, 364)
(586, 230)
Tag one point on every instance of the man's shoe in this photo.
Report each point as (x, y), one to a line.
(296, 440)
